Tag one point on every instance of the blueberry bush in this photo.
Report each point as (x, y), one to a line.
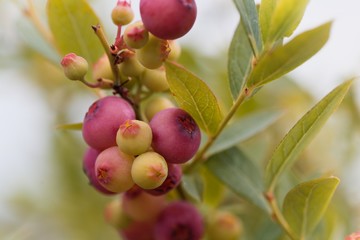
(179, 146)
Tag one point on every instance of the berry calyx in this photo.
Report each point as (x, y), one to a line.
(169, 19)
(74, 66)
(89, 169)
(171, 182)
(134, 137)
(149, 170)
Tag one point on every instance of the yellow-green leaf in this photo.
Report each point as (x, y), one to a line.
(305, 205)
(70, 22)
(195, 97)
(239, 61)
(284, 58)
(302, 133)
(250, 20)
(267, 8)
(285, 16)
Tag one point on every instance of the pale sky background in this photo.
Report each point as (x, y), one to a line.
(25, 121)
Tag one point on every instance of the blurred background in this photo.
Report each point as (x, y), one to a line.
(43, 192)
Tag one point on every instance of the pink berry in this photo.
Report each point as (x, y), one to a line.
(179, 221)
(113, 170)
(169, 19)
(103, 119)
(172, 181)
(176, 136)
(89, 170)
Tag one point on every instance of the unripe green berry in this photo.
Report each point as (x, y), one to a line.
(135, 35)
(149, 170)
(114, 214)
(122, 13)
(154, 53)
(131, 67)
(155, 105)
(175, 50)
(134, 137)
(102, 68)
(155, 79)
(224, 225)
(75, 67)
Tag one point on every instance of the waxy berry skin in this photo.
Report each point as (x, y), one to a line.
(176, 136)
(103, 119)
(168, 19)
(113, 170)
(89, 170)
(179, 221)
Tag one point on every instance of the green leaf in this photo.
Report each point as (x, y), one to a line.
(306, 204)
(70, 23)
(213, 191)
(71, 126)
(282, 59)
(243, 128)
(284, 16)
(192, 186)
(237, 172)
(250, 20)
(195, 97)
(302, 133)
(239, 61)
(267, 8)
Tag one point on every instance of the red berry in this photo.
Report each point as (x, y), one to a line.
(103, 119)
(176, 136)
(169, 19)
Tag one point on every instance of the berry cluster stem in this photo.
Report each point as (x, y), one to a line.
(279, 217)
(100, 34)
(200, 155)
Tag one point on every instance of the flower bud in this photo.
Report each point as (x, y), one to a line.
(122, 13)
(75, 67)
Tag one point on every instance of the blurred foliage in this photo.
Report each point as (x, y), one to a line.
(70, 209)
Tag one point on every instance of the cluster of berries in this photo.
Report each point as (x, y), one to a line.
(124, 151)
(136, 145)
